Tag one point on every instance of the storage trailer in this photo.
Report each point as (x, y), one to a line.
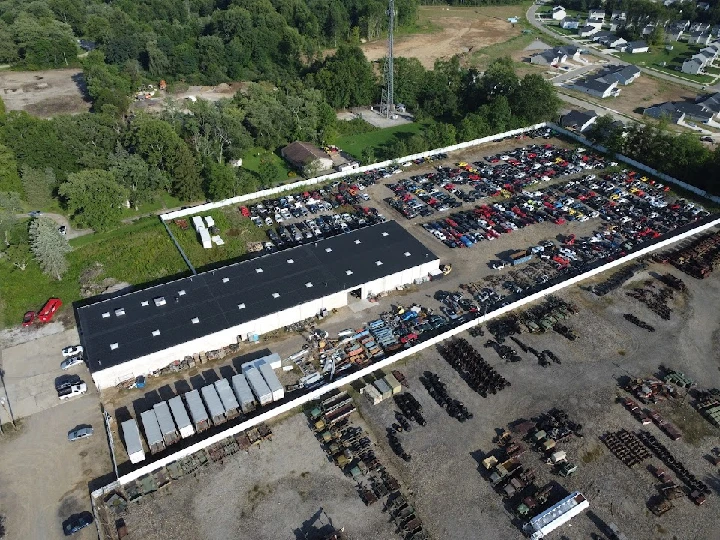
(372, 394)
(277, 389)
(383, 388)
(258, 385)
(243, 393)
(197, 410)
(393, 383)
(133, 442)
(230, 403)
(182, 420)
(166, 422)
(153, 435)
(555, 516)
(213, 403)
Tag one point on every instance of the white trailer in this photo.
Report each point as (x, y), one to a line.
(133, 443)
(205, 239)
(153, 435)
(213, 403)
(258, 384)
(383, 388)
(182, 420)
(166, 422)
(197, 410)
(243, 393)
(277, 389)
(227, 398)
(555, 516)
(198, 223)
(372, 394)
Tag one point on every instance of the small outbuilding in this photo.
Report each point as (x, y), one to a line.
(307, 158)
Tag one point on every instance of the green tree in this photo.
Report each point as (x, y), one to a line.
(534, 100)
(49, 247)
(268, 172)
(346, 79)
(473, 126)
(94, 198)
(132, 172)
(367, 156)
(38, 186)
(9, 178)
(10, 205)
(222, 181)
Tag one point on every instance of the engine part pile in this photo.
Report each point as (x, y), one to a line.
(637, 322)
(504, 327)
(410, 407)
(696, 487)
(557, 425)
(505, 352)
(673, 282)
(626, 447)
(472, 367)
(547, 316)
(396, 446)
(656, 301)
(699, 258)
(438, 391)
(616, 280)
(403, 515)
(708, 404)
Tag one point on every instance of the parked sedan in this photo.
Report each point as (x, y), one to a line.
(77, 522)
(28, 318)
(80, 433)
(70, 362)
(72, 350)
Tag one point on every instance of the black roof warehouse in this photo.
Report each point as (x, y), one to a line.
(230, 301)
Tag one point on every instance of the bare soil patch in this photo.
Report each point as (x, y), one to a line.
(44, 93)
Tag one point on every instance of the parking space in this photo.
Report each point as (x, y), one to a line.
(31, 372)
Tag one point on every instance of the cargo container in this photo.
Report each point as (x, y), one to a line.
(213, 404)
(182, 420)
(273, 360)
(393, 383)
(257, 384)
(153, 435)
(372, 394)
(383, 388)
(133, 443)
(205, 239)
(227, 398)
(197, 410)
(520, 257)
(277, 389)
(556, 516)
(243, 393)
(166, 422)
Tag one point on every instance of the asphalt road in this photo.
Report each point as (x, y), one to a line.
(531, 19)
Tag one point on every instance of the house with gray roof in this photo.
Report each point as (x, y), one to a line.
(578, 120)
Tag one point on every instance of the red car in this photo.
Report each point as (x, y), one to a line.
(244, 211)
(28, 318)
(49, 309)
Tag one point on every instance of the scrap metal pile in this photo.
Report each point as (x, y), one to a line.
(626, 447)
(708, 404)
(410, 407)
(655, 300)
(438, 391)
(472, 367)
(698, 259)
(637, 322)
(617, 279)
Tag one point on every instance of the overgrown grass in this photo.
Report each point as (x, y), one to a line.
(673, 60)
(355, 144)
(253, 157)
(136, 253)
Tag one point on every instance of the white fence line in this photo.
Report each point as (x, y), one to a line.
(333, 176)
(285, 407)
(636, 164)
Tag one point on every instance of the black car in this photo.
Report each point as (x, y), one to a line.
(77, 522)
(66, 381)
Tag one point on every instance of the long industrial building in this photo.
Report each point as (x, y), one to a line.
(140, 332)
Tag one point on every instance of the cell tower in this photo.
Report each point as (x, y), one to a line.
(387, 104)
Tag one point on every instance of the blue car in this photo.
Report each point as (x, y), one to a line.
(77, 522)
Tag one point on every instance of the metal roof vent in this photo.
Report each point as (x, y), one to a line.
(349, 272)
(259, 270)
(309, 284)
(378, 263)
(156, 332)
(119, 312)
(385, 233)
(407, 253)
(159, 301)
(358, 241)
(113, 346)
(145, 303)
(106, 315)
(226, 279)
(241, 306)
(290, 261)
(181, 292)
(195, 320)
(276, 295)
(328, 250)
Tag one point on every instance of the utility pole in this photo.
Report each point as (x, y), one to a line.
(6, 400)
(387, 105)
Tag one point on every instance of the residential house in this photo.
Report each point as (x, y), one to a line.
(548, 57)
(698, 38)
(693, 66)
(700, 27)
(665, 110)
(703, 6)
(602, 35)
(571, 53)
(596, 87)
(679, 111)
(578, 120)
(617, 15)
(587, 31)
(674, 32)
(570, 23)
(623, 75)
(668, 3)
(647, 30)
(715, 30)
(684, 24)
(596, 15)
(613, 42)
(558, 13)
(307, 157)
(635, 47)
(710, 102)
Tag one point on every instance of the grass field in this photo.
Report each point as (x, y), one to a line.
(673, 60)
(137, 253)
(252, 158)
(355, 144)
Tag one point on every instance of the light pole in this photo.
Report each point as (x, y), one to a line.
(6, 400)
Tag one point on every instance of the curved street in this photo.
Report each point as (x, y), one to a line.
(61, 221)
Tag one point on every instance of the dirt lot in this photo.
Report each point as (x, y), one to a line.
(44, 93)
(460, 30)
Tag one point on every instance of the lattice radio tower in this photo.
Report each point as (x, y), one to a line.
(387, 104)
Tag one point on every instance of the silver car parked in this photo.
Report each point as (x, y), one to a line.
(80, 433)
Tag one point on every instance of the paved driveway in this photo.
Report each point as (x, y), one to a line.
(30, 372)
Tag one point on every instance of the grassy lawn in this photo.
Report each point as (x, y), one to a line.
(252, 158)
(136, 253)
(355, 144)
(482, 57)
(235, 230)
(673, 60)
